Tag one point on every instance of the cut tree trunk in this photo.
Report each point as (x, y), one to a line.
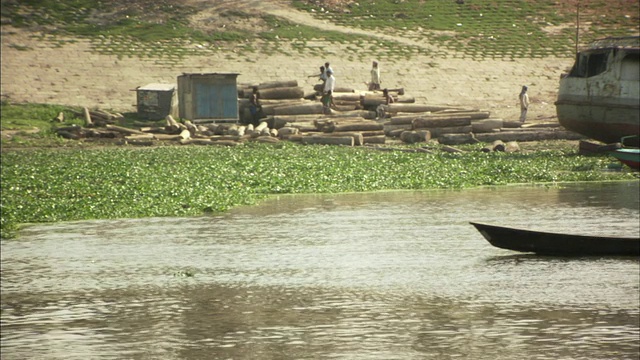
(124, 130)
(299, 109)
(358, 138)
(486, 125)
(438, 122)
(282, 93)
(328, 140)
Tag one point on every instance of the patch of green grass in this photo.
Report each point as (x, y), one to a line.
(34, 126)
(496, 26)
(508, 28)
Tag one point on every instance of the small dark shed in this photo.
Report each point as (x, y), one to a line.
(156, 101)
(209, 97)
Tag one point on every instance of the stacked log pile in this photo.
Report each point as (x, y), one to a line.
(358, 118)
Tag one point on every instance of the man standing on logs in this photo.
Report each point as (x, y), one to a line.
(524, 103)
(375, 77)
(327, 94)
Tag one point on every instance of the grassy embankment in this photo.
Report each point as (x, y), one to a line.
(42, 186)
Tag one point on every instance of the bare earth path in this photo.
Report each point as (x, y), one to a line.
(73, 74)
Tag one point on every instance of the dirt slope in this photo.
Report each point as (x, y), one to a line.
(73, 74)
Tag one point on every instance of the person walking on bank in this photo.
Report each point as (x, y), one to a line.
(375, 77)
(327, 94)
(524, 103)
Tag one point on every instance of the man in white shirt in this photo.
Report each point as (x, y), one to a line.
(327, 95)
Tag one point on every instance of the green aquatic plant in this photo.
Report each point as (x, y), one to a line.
(49, 186)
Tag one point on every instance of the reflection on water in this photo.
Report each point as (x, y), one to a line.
(398, 275)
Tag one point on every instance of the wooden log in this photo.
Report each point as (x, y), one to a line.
(358, 138)
(328, 140)
(511, 146)
(367, 133)
(185, 134)
(191, 127)
(279, 121)
(395, 132)
(400, 107)
(263, 125)
(270, 109)
(529, 136)
(437, 132)
(590, 148)
(380, 139)
(165, 137)
(139, 137)
(123, 130)
(362, 126)
(266, 139)
(87, 117)
(451, 149)
(365, 114)
(412, 137)
(273, 132)
(59, 118)
(347, 96)
(498, 145)
(486, 125)
(153, 129)
(171, 122)
(457, 139)
(224, 138)
(319, 88)
(277, 84)
(282, 93)
(304, 127)
(288, 130)
(296, 137)
(511, 124)
(541, 125)
(298, 109)
(103, 134)
(407, 119)
(424, 122)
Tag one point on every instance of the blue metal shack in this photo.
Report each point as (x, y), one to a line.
(211, 97)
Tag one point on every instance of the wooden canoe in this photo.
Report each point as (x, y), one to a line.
(549, 243)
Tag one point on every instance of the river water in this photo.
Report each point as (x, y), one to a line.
(393, 275)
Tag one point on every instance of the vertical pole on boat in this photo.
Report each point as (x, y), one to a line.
(577, 24)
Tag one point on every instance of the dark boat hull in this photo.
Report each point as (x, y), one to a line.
(558, 244)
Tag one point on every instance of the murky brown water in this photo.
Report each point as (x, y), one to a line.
(398, 275)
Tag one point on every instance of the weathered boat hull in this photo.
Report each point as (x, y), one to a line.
(556, 243)
(600, 97)
(602, 122)
(629, 157)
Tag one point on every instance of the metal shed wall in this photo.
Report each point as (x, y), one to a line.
(208, 97)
